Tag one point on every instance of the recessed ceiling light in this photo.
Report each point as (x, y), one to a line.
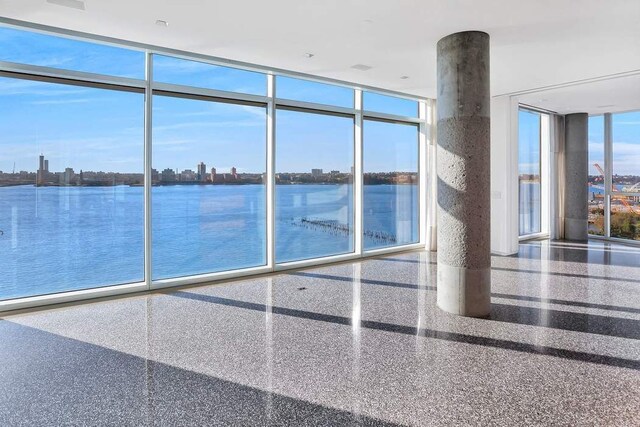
(368, 21)
(309, 55)
(74, 4)
(162, 23)
(404, 77)
(605, 106)
(361, 67)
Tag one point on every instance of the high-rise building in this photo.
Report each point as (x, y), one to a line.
(213, 175)
(202, 172)
(40, 174)
(316, 172)
(234, 173)
(46, 165)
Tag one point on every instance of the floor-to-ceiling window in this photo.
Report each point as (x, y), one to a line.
(625, 171)
(71, 168)
(209, 161)
(614, 175)
(133, 167)
(529, 172)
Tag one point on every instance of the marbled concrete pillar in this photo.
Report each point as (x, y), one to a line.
(576, 166)
(463, 166)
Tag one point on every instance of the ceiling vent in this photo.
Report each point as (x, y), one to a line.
(361, 67)
(74, 4)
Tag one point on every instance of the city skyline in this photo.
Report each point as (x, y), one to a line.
(43, 164)
(45, 176)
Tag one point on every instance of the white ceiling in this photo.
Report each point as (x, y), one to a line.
(594, 97)
(534, 43)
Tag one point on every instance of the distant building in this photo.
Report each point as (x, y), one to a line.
(316, 172)
(46, 165)
(187, 175)
(202, 172)
(68, 176)
(234, 173)
(40, 175)
(213, 174)
(168, 175)
(335, 172)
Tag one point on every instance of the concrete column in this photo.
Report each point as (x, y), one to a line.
(464, 204)
(576, 166)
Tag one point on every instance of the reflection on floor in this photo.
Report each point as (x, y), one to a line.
(350, 344)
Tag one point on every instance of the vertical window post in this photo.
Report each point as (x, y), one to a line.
(271, 179)
(357, 175)
(148, 110)
(608, 176)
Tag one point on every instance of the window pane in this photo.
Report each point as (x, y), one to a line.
(308, 91)
(314, 192)
(596, 178)
(626, 151)
(625, 210)
(32, 48)
(625, 217)
(71, 196)
(167, 69)
(209, 211)
(390, 184)
(529, 172)
(389, 104)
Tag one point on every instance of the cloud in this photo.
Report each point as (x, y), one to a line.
(631, 123)
(62, 101)
(209, 124)
(626, 158)
(180, 65)
(32, 88)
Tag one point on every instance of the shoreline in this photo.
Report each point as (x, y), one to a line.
(191, 184)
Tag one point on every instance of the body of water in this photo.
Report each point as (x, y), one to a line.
(66, 238)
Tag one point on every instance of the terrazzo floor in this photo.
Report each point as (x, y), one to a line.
(350, 344)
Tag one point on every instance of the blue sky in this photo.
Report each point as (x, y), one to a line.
(97, 129)
(94, 129)
(528, 143)
(596, 144)
(626, 143)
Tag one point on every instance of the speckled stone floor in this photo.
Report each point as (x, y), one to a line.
(349, 344)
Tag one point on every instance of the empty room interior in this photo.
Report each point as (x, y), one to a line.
(297, 212)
